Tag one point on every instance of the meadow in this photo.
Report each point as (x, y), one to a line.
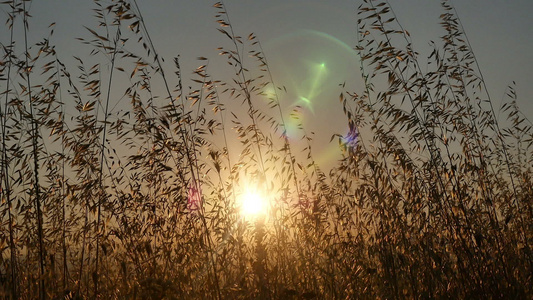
(195, 190)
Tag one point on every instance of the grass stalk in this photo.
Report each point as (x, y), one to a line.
(6, 190)
(35, 154)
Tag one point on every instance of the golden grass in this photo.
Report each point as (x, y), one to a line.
(432, 197)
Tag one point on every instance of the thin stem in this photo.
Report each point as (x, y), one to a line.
(35, 153)
(5, 163)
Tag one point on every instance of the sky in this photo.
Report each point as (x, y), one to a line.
(309, 43)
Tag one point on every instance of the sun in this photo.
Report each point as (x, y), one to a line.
(253, 204)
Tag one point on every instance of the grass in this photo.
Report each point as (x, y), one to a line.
(432, 196)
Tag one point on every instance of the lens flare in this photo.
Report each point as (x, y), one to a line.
(352, 137)
(314, 67)
(194, 197)
(314, 64)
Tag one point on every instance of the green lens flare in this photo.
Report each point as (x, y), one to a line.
(312, 65)
(314, 87)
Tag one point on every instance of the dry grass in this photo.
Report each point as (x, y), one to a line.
(432, 197)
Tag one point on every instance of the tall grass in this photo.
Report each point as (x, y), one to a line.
(102, 200)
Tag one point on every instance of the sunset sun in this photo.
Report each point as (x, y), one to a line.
(253, 204)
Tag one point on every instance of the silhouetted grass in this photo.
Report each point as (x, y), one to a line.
(431, 198)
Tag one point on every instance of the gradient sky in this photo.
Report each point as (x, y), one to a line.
(298, 34)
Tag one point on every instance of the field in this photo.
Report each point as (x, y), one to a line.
(199, 187)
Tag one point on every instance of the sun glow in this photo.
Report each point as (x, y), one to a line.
(253, 204)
